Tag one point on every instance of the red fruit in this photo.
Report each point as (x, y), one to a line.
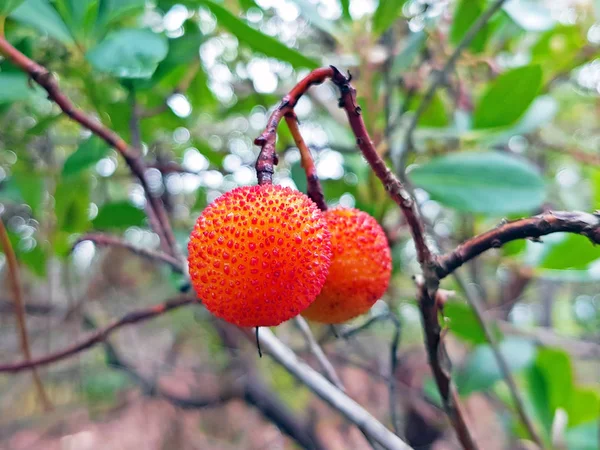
(259, 255)
(360, 268)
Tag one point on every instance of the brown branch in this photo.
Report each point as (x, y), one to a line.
(100, 335)
(531, 228)
(15, 284)
(313, 185)
(156, 211)
(441, 75)
(267, 158)
(576, 154)
(105, 240)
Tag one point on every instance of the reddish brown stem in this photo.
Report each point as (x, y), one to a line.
(531, 228)
(313, 185)
(267, 159)
(100, 335)
(156, 212)
(395, 188)
(15, 284)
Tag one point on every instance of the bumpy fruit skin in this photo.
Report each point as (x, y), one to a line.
(360, 269)
(259, 255)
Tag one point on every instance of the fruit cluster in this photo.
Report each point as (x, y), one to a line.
(261, 255)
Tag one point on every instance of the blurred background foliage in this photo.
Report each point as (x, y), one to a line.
(512, 131)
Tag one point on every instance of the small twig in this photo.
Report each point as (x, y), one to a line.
(313, 189)
(576, 154)
(267, 158)
(316, 350)
(156, 211)
(438, 79)
(101, 334)
(551, 222)
(105, 240)
(15, 283)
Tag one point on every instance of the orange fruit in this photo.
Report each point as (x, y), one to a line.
(259, 255)
(360, 268)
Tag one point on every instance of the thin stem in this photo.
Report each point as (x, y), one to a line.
(267, 158)
(157, 213)
(314, 189)
(101, 334)
(15, 284)
(105, 240)
(407, 144)
(531, 228)
(316, 350)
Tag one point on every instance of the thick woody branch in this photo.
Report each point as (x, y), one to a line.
(105, 240)
(156, 212)
(267, 159)
(531, 228)
(100, 335)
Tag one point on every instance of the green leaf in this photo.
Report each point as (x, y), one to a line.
(15, 87)
(508, 97)
(345, 4)
(584, 405)
(118, 215)
(555, 365)
(100, 387)
(41, 15)
(31, 189)
(557, 49)
(35, 260)
(112, 10)
(258, 41)
(88, 153)
(7, 6)
(573, 252)
(531, 15)
(435, 115)
(596, 188)
(129, 53)
(79, 15)
(467, 12)
(462, 322)
(182, 51)
(489, 183)
(481, 371)
(386, 14)
(72, 201)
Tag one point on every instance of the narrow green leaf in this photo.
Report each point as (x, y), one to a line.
(409, 52)
(7, 6)
(256, 40)
(41, 15)
(596, 188)
(129, 53)
(467, 12)
(89, 152)
(435, 115)
(573, 252)
(118, 215)
(489, 183)
(584, 405)
(481, 371)
(508, 97)
(15, 87)
(386, 14)
(309, 11)
(556, 368)
(31, 189)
